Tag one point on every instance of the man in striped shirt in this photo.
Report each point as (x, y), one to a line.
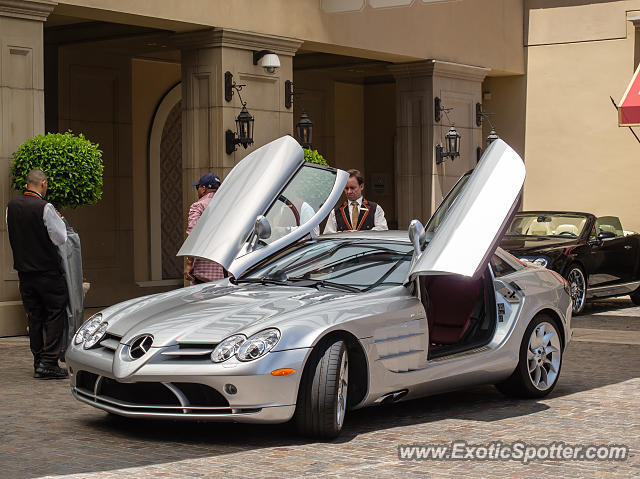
(198, 270)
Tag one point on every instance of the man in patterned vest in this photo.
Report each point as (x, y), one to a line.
(356, 213)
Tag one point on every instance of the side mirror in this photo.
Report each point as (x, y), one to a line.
(606, 235)
(416, 235)
(262, 227)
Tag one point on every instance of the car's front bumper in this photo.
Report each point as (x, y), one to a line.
(191, 390)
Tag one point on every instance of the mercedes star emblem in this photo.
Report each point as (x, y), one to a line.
(140, 346)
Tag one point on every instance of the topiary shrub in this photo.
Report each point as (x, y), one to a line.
(312, 156)
(73, 166)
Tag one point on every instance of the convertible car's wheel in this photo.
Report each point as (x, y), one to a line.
(540, 361)
(322, 398)
(578, 286)
(635, 296)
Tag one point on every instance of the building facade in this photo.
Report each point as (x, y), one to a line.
(146, 80)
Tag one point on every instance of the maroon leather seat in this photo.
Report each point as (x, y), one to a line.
(452, 300)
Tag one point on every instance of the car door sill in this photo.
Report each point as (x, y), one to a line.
(461, 354)
(612, 289)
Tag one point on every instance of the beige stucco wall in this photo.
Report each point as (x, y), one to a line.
(487, 33)
(150, 80)
(504, 99)
(349, 125)
(577, 157)
(379, 147)
(21, 117)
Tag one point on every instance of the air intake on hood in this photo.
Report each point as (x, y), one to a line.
(192, 351)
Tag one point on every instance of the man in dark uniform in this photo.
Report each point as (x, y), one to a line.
(356, 213)
(35, 232)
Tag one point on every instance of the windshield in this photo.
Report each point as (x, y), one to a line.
(547, 224)
(357, 265)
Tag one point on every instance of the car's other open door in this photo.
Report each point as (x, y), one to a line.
(269, 200)
(466, 228)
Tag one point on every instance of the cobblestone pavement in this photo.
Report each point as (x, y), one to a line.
(44, 432)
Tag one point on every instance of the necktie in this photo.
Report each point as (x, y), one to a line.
(354, 215)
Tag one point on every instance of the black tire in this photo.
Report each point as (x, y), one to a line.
(575, 271)
(635, 297)
(317, 409)
(521, 383)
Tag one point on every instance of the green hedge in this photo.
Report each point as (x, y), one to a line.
(312, 156)
(73, 166)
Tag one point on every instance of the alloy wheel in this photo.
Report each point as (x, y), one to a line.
(544, 356)
(578, 289)
(343, 386)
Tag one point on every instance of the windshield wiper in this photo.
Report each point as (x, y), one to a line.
(326, 284)
(262, 281)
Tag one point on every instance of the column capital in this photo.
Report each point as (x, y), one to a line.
(219, 37)
(37, 10)
(438, 68)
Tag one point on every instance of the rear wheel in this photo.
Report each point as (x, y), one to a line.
(578, 287)
(322, 398)
(540, 361)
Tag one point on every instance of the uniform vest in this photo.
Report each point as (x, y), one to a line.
(33, 250)
(365, 218)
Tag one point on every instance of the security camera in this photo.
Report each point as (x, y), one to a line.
(268, 60)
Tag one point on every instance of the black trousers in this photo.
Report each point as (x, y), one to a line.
(44, 295)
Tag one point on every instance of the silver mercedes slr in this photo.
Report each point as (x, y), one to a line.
(308, 327)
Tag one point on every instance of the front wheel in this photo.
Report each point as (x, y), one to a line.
(322, 398)
(578, 288)
(540, 361)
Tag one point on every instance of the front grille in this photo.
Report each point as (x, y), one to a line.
(155, 394)
(202, 395)
(153, 398)
(86, 380)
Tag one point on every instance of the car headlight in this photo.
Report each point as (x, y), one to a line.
(227, 348)
(97, 336)
(88, 328)
(258, 345)
(538, 261)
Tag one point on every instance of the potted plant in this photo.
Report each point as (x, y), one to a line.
(73, 166)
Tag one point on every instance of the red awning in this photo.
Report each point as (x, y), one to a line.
(629, 108)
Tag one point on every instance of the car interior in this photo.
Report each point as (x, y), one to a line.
(608, 224)
(460, 312)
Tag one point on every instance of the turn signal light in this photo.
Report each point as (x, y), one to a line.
(282, 372)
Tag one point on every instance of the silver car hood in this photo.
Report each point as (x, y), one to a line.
(210, 313)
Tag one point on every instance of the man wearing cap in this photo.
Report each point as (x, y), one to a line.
(198, 270)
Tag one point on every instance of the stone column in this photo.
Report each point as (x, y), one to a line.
(206, 115)
(420, 183)
(21, 117)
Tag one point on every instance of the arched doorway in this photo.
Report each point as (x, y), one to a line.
(165, 187)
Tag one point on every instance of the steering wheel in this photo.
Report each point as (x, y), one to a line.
(294, 210)
(568, 233)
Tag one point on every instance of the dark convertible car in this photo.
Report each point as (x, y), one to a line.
(596, 255)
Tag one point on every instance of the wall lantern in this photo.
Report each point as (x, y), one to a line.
(452, 140)
(304, 128)
(244, 121)
(288, 94)
(493, 136)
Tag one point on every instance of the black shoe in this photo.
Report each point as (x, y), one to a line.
(44, 371)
